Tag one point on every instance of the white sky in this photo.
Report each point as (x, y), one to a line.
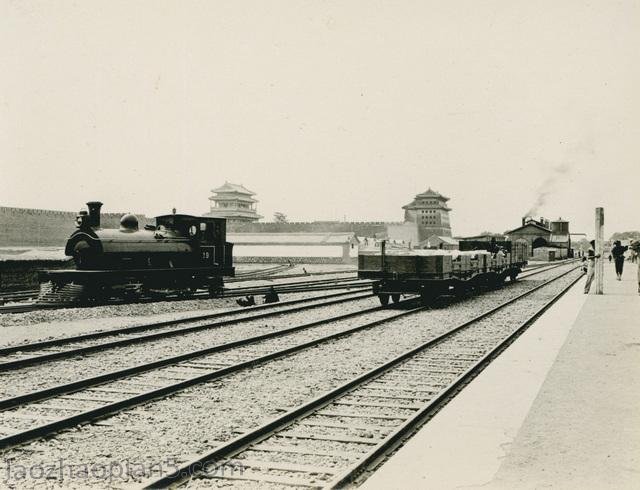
(325, 109)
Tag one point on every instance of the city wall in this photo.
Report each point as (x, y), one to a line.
(17, 275)
(42, 227)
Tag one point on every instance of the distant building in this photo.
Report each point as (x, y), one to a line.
(309, 248)
(427, 215)
(544, 236)
(442, 242)
(481, 238)
(430, 212)
(235, 203)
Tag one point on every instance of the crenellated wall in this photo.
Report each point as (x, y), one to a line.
(44, 227)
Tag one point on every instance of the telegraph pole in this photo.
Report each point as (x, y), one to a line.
(599, 263)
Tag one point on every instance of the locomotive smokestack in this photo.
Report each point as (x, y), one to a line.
(523, 220)
(94, 213)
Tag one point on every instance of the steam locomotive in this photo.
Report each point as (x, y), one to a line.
(433, 273)
(179, 254)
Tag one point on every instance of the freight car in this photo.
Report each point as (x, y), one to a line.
(433, 273)
(177, 255)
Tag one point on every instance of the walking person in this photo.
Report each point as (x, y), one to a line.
(618, 256)
(590, 258)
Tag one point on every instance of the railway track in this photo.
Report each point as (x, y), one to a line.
(254, 275)
(85, 400)
(282, 288)
(46, 411)
(341, 435)
(264, 274)
(22, 355)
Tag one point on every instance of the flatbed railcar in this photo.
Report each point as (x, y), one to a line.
(178, 255)
(433, 273)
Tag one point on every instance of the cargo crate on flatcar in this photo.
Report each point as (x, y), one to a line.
(432, 273)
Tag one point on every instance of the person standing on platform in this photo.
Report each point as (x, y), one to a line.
(618, 256)
(635, 246)
(590, 258)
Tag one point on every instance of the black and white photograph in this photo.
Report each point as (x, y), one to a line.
(320, 244)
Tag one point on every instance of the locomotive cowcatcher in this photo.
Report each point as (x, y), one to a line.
(179, 254)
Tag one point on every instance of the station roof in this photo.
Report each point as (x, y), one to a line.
(530, 224)
(292, 238)
(480, 238)
(444, 239)
(228, 187)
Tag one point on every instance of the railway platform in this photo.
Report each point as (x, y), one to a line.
(558, 408)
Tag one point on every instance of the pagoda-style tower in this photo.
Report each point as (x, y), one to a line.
(430, 212)
(235, 203)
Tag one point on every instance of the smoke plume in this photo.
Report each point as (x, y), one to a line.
(548, 187)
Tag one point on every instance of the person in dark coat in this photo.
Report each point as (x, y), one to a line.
(618, 256)
(246, 301)
(271, 296)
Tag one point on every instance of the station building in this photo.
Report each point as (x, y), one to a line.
(442, 242)
(548, 240)
(309, 248)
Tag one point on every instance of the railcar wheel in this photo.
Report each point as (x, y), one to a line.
(395, 298)
(384, 299)
(186, 293)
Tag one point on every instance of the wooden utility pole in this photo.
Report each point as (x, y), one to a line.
(599, 263)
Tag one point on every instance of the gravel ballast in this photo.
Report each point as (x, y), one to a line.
(200, 417)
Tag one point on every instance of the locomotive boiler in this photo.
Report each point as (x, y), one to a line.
(179, 254)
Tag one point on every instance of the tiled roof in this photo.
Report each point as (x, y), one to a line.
(242, 198)
(227, 213)
(414, 205)
(239, 188)
(431, 193)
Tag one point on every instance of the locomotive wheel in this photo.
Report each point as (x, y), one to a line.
(395, 298)
(384, 299)
(513, 276)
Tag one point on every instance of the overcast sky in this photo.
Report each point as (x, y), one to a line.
(325, 109)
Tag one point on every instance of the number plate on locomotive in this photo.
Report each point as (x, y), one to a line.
(207, 254)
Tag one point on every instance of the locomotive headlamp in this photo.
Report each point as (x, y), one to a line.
(193, 230)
